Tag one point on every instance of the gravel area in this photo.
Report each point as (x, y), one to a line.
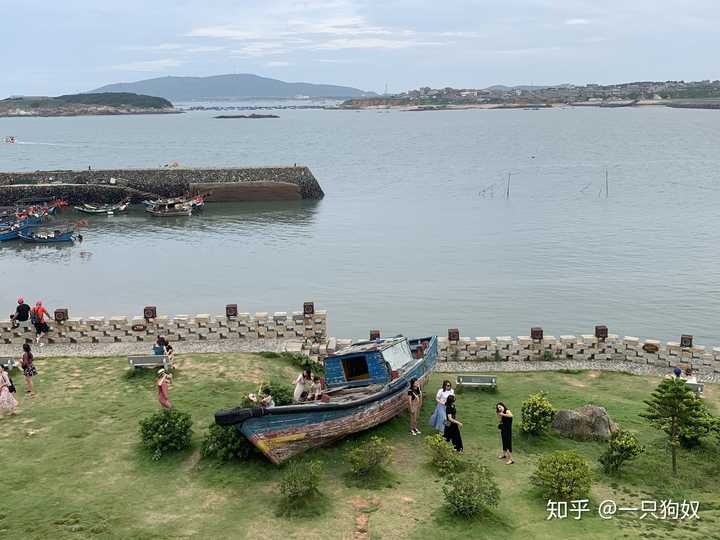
(125, 349)
(625, 367)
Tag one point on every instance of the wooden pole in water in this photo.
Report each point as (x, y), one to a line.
(607, 193)
(507, 193)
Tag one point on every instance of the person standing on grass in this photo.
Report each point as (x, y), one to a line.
(452, 425)
(28, 368)
(37, 316)
(163, 380)
(437, 420)
(504, 417)
(21, 317)
(414, 404)
(8, 403)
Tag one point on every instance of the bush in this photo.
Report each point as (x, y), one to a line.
(166, 431)
(472, 492)
(548, 355)
(622, 446)
(537, 414)
(370, 457)
(563, 475)
(300, 480)
(298, 360)
(443, 454)
(225, 443)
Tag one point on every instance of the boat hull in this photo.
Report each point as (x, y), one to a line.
(28, 236)
(281, 436)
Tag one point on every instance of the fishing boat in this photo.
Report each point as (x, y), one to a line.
(46, 237)
(108, 209)
(195, 201)
(12, 232)
(170, 210)
(366, 385)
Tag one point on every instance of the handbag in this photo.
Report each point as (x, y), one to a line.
(11, 388)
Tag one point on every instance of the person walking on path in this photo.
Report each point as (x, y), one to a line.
(414, 404)
(452, 425)
(163, 380)
(437, 420)
(37, 316)
(28, 368)
(8, 403)
(505, 417)
(21, 317)
(300, 381)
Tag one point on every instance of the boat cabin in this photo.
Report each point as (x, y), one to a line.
(370, 362)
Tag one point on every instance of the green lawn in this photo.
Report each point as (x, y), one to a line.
(72, 467)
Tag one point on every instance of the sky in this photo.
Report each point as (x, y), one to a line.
(52, 47)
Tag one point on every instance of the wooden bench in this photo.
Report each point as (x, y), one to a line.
(477, 381)
(9, 362)
(698, 388)
(149, 361)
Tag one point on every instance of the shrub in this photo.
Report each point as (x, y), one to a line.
(548, 355)
(472, 492)
(622, 446)
(225, 443)
(166, 431)
(300, 480)
(537, 414)
(442, 454)
(370, 457)
(563, 475)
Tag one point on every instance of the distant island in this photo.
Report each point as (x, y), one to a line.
(85, 105)
(251, 116)
(697, 94)
(234, 86)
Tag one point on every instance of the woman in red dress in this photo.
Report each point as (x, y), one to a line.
(162, 385)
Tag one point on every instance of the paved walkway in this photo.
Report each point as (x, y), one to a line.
(125, 349)
(557, 365)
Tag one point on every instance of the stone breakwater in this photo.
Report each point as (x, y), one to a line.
(112, 185)
(245, 329)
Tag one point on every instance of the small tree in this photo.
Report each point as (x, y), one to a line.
(622, 446)
(537, 414)
(472, 492)
(443, 454)
(563, 475)
(370, 457)
(673, 408)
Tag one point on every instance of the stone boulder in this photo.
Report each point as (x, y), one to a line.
(589, 422)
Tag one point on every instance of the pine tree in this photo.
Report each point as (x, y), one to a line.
(674, 408)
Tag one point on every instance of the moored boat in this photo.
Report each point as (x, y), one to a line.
(12, 232)
(366, 385)
(171, 210)
(103, 208)
(46, 237)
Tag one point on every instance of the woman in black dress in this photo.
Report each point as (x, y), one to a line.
(505, 417)
(452, 425)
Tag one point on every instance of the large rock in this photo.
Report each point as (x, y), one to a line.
(589, 422)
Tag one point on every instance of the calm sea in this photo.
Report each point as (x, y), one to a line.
(415, 234)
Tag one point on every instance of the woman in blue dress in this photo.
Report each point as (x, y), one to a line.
(437, 420)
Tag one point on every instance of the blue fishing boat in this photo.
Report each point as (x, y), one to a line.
(53, 237)
(366, 385)
(12, 232)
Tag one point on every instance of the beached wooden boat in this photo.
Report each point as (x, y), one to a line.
(46, 237)
(367, 385)
(103, 208)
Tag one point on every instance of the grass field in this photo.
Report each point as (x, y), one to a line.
(72, 467)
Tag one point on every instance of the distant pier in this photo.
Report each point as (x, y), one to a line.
(112, 185)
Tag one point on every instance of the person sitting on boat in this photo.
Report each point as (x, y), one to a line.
(315, 389)
(300, 394)
(266, 401)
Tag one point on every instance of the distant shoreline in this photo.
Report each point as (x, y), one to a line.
(49, 114)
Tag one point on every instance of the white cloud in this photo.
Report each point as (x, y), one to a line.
(369, 43)
(577, 22)
(278, 63)
(148, 65)
(259, 49)
(161, 47)
(206, 48)
(222, 32)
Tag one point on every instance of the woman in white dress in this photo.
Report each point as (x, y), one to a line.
(7, 400)
(300, 381)
(437, 420)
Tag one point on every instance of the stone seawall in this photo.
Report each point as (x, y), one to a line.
(305, 330)
(112, 185)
